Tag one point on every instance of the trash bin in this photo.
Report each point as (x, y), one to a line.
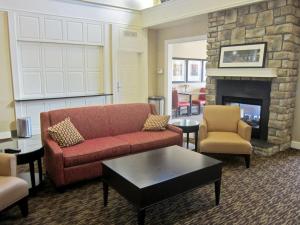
(159, 102)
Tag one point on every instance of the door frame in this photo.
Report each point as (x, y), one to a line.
(168, 66)
(143, 52)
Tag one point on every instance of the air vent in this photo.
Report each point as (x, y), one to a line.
(130, 34)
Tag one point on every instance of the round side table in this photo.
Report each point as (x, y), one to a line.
(189, 126)
(29, 151)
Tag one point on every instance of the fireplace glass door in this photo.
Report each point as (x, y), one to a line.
(250, 111)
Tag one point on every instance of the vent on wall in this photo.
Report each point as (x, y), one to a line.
(130, 34)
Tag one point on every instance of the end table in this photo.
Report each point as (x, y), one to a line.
(189, 126)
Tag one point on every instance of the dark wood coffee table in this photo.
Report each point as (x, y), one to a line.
(150, 177)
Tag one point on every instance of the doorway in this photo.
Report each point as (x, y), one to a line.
(186, 76)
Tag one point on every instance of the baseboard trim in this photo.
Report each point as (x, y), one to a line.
(295, 145)
(5, 135)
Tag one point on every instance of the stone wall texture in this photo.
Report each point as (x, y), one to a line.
(276, 22)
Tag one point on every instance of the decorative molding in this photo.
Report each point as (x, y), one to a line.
(5, 135)
(179, 9)
(242, 72)
(295, 145)
(75, 9)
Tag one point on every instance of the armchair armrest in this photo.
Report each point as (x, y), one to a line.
(8, 165)
(177, 130)
(244, 130)
(54, 161)
(203, 130)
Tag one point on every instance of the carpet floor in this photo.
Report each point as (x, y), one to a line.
(267, 193)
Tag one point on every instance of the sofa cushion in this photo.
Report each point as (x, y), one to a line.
(65, 133)
(91, 122)
(127, 118)
(225, 142)
(146, 140)
(95, 150)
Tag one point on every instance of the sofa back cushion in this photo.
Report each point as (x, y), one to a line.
(91, 122)
(128, 118)
(222, 118)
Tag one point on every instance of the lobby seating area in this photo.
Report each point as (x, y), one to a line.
(149, 112)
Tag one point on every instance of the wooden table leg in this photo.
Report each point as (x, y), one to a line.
(187, 139)
(105, 193)
(32, 175)
(40, 170)
(196, 141)
(141, 217)
(218, 191)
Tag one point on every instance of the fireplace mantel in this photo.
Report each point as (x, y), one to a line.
(242, 72)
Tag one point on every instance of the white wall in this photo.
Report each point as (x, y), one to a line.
(194, 49)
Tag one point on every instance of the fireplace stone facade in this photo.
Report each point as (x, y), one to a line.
(276, 22)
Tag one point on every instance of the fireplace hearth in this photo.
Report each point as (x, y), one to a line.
(253, 97)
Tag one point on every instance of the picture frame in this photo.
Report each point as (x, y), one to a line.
(194, 70)
(243, 55)
(178, 70)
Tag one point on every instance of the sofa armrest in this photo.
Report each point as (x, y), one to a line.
(176, 130)
(54, 161)
(244, 130)
(8, 165)
(203, 130)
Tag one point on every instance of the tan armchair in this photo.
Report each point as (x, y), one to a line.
(13, 190)
(222, 131)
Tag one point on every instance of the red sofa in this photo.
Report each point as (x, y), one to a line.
(109, 131)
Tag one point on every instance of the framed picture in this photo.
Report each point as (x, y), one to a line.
(203, 77)
(243, 56)
(194, 70)
(179, 70)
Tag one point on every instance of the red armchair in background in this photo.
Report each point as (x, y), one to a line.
(201, 99)
(177, 105)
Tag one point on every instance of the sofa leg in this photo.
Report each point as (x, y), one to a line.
(247, 161)
(23, 204)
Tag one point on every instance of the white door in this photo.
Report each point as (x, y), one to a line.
(130, 75)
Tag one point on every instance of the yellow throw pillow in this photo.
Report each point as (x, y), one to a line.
(65, 133)
(156, 123)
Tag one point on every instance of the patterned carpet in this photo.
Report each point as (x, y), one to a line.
(267, 193)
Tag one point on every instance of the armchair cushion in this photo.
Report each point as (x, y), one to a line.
(12, 189)
(225, 142)
(222, 118)
(7, 165)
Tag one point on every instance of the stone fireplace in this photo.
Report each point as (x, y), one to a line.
(270, 108)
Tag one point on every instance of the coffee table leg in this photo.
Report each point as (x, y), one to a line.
(141, 217)
(105, 193)
(32, 175)
(218, 191)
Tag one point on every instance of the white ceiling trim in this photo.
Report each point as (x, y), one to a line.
(181, 9)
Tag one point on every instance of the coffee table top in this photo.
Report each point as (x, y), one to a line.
(156, 166)
(186, 123)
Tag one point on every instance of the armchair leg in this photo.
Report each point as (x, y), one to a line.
(247, 161)
(23, 204)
